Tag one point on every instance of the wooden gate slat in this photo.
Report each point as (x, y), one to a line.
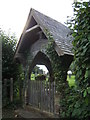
(36, 94)
(42, 95)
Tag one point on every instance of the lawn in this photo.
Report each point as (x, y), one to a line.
(32, 76)
(71, 80)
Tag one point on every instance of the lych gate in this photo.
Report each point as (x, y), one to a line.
(41, 93)
(31, 51)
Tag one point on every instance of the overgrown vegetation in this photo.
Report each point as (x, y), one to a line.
(10, 69)
(40, 77)
(60, 68)
(75, 101)
(80, 25)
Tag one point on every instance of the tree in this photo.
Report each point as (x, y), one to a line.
(10, 69)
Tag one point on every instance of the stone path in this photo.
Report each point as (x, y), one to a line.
(30, 112)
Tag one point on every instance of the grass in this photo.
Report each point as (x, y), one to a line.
(32, 76)
(71, 80)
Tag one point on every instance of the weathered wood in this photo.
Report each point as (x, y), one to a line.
(53, 89)
(37, 93)
(42, 95)
(32, 93)
(5, 88)
(47, 97)
(24, 87)
(11, 89)
(32, 28)
(54, 97)
(20, 89)
(30, 98)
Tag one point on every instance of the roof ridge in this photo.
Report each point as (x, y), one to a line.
(34, 10)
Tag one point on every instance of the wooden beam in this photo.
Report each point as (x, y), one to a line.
(11, 89)
(58, 50)
(32, 28)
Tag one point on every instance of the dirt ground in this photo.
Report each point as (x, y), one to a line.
(27, 112)
(9, 113)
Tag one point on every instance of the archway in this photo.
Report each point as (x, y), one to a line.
(41, 59)
(40, 71)
(41, 92)
(42, 33)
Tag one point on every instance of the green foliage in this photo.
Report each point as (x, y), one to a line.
(10, 69)
(37, 70)
(60, 68)
(40, 77)
(80, 25)
(74, 101)
(32, 76)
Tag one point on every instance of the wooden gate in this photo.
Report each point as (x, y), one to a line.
(42, 95)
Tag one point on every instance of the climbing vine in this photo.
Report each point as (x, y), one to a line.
(80, 25)
(74, 102)
(60, 68)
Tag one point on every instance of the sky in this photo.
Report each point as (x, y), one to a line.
(14, 13)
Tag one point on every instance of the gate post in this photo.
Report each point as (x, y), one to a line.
(23, 97)
(54, 97)
(5, 91)
(11, 90)
(25, 83)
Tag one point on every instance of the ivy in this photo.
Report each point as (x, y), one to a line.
(74, 102)
(80, 25)
(60, 68)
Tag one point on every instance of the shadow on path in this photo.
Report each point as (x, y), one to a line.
(30, 112)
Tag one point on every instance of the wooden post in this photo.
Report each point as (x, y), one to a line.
(29, 90)
(31, 93)
(20, 89)
(5, 90)
(47, 97)
(37, 92)
(41, 94)
(53, 92)
(11, 89)
(24, 88)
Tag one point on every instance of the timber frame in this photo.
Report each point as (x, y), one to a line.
(33, 41)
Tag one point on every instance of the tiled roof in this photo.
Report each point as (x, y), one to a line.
(60, 32)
